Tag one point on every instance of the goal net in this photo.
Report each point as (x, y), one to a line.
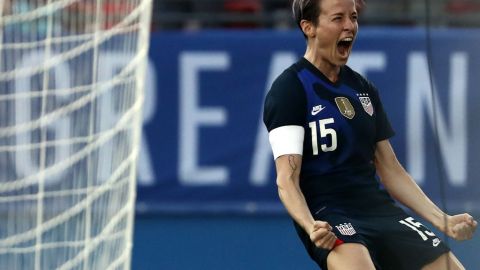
(71, 81)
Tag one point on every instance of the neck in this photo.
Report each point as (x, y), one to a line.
(330, 70)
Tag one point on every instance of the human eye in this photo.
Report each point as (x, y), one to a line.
(337, 18)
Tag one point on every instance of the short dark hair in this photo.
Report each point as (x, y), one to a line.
(306, 10)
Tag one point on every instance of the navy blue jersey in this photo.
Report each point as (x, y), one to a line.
(343, 121)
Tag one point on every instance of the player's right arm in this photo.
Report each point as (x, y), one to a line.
(288, 182)
(284, 116)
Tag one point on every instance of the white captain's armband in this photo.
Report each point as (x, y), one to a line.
(286, 140)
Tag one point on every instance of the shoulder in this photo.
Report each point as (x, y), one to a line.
(286, 101)
(356, 80)
(354, 77)
(286, 90)
(287, 83)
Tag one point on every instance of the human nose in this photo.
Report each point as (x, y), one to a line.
(349, 24)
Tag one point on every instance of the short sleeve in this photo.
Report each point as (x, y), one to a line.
(285, 103)
(384, 129)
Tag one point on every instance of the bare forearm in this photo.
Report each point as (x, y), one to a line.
(294, 201)
(402, 187)
(405, 190)
(288, 182)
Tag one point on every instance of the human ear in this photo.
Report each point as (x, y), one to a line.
(308, 28)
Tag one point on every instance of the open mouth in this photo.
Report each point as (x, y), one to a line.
(344, 46)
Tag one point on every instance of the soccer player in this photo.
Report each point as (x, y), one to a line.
(329, 135)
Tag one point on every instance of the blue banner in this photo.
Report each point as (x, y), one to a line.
(204, 147)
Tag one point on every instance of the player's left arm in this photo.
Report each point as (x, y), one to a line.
(404, 189)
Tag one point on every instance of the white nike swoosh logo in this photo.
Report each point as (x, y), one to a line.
(317, 109)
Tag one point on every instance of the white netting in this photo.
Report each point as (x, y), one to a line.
(71, 81)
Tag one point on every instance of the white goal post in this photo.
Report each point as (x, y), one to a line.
(71, 92)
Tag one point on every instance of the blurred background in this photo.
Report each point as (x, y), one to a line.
(207, 197)
(276, 14)
(206, 194)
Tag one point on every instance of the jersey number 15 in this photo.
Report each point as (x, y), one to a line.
(324, 132)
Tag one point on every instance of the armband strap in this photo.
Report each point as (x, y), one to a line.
(286, 140)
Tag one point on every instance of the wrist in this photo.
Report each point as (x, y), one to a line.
(440, 222)
(308, 226)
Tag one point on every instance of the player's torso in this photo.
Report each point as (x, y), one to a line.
(340, 127)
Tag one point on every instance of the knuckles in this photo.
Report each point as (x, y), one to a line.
(324, 239)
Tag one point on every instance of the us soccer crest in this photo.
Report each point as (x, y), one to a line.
(366, 104)
(346, 229)
(345, 107)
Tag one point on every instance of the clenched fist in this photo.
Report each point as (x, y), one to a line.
(460, 227)
(321, 235)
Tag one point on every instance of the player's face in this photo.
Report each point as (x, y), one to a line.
(336, 30)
